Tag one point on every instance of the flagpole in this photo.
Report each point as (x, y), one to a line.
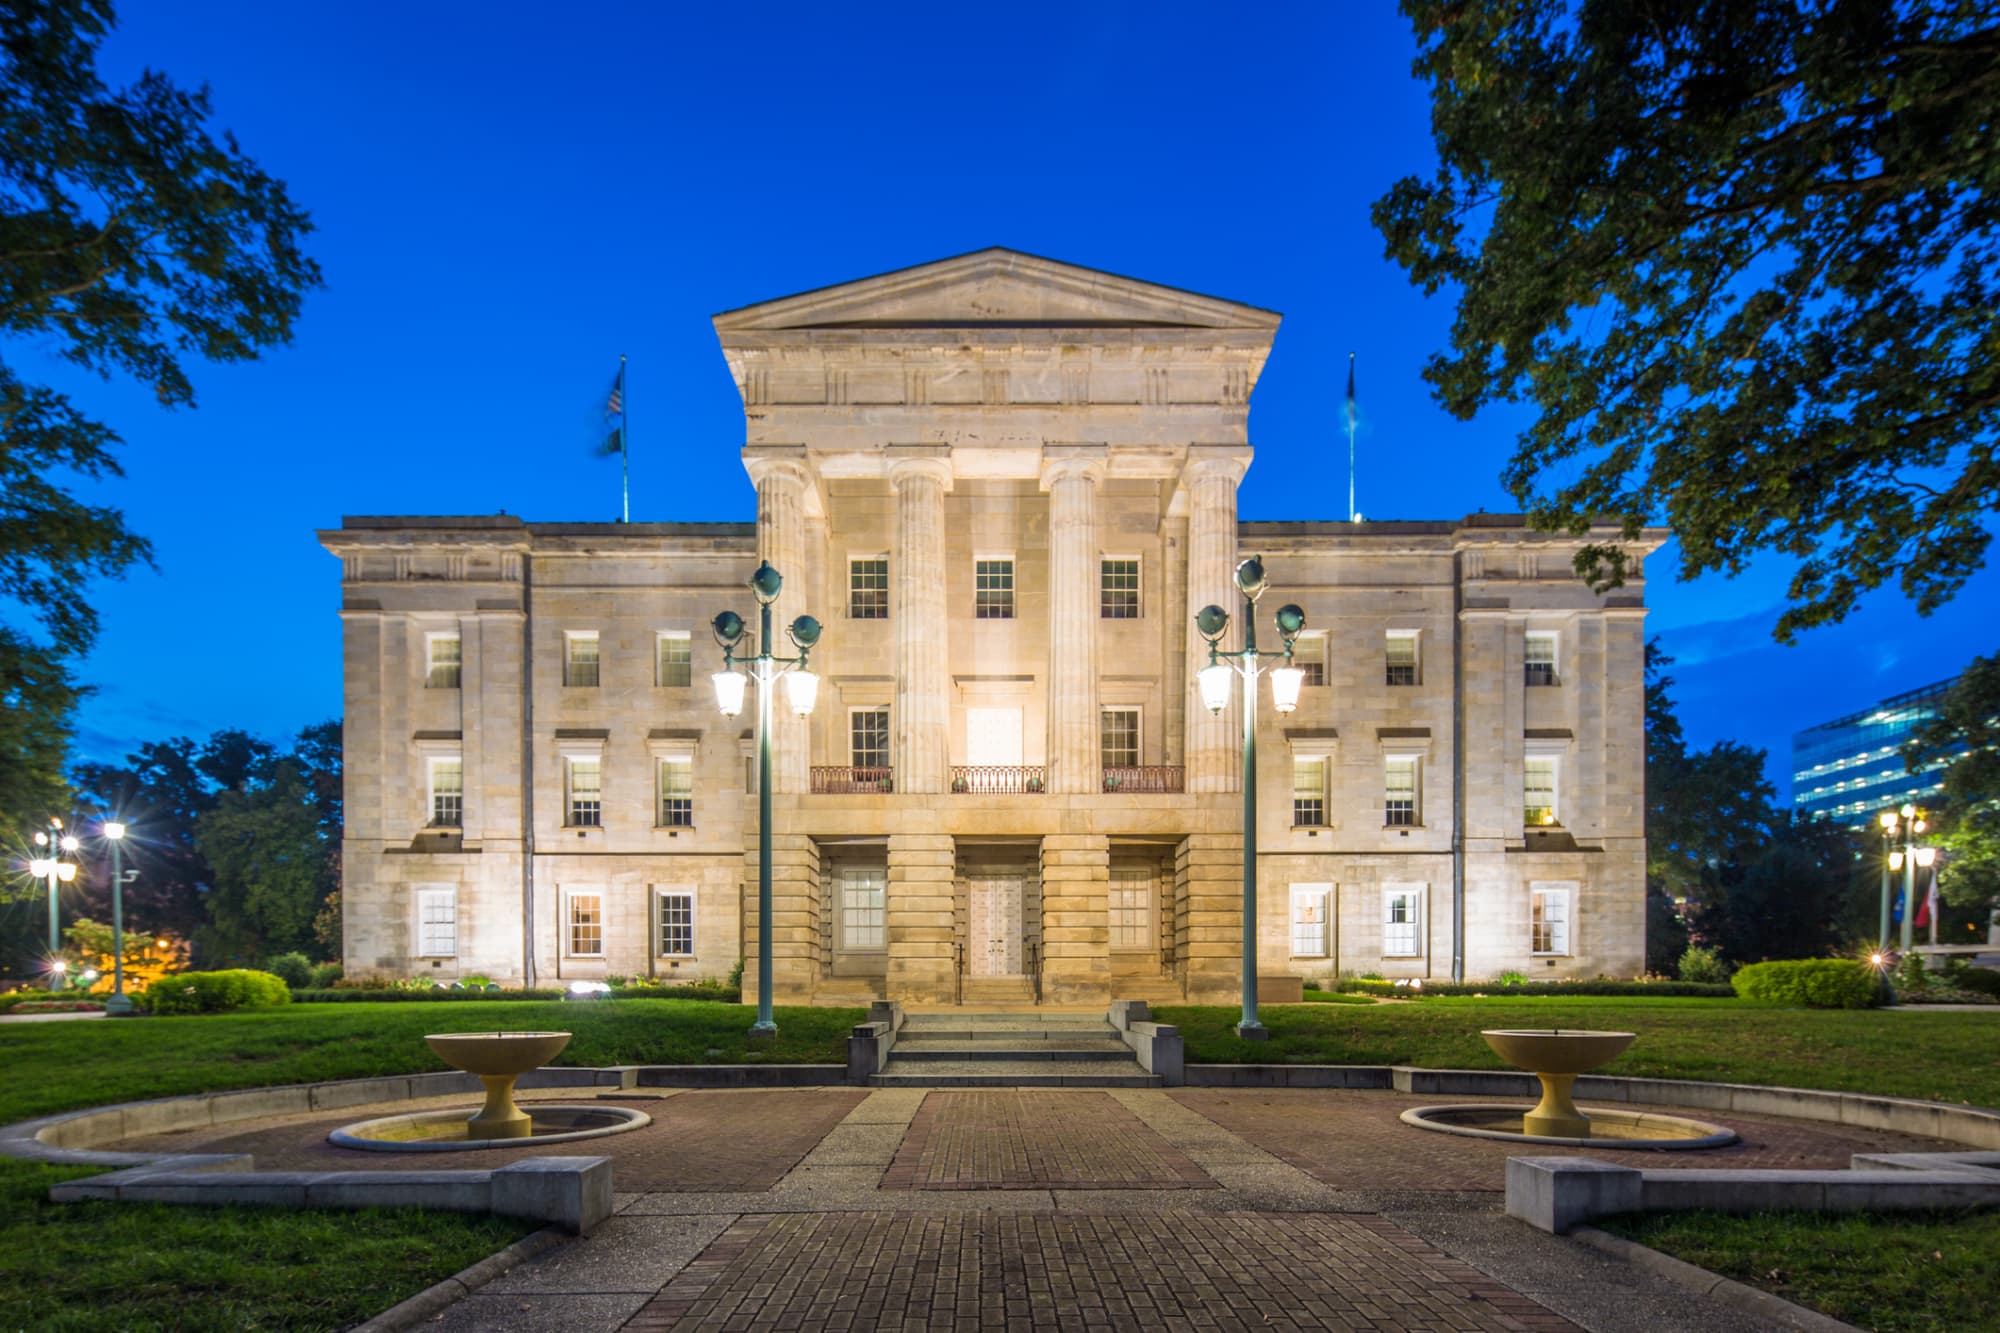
(625, 437)
(1351, 515)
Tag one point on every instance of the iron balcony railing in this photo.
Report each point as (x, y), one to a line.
(846, 779)
(997, 780)
(1147, 779)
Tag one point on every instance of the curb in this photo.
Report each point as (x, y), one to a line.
(1722, 1290)
(440, 1296)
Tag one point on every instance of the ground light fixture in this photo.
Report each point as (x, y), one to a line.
(801, 692)
(1216, 682)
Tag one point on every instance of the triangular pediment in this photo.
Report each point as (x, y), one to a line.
(996, 289)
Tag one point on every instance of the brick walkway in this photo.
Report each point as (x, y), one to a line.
(842, 1271)
(1003, 1139)
(1353, 1140)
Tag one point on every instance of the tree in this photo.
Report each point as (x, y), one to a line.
(1965, 738)
(1740, 258)
(132, 237)
(1704, 808)
(271, 867)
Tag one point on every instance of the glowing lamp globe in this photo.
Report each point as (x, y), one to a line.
(729, 691)
(1285, 682)
(1214, 681)
(802, 688)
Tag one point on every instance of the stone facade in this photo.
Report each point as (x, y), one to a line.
(1005, 485)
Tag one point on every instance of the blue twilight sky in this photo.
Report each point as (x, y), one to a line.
(509, 195)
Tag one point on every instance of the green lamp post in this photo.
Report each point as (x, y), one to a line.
(1216, 681)
(801, 691)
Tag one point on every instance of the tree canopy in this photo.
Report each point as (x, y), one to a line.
(1738, 256)
(1965, 738)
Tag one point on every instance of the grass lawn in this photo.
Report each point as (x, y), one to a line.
(1939, 1056)
(1897, 1273)
(156, 1266)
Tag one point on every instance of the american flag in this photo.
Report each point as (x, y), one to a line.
(614, 406)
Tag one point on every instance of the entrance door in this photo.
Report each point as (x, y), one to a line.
(993, 737)
(993, 920)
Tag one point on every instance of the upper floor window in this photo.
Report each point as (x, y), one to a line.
(868, 588)
(1309, 920)
(1539, 776)
(1548, 918)
(993, 588)
(1309, 792)
(1118, 589)
(1402, 918)
(585, 797)
(444, 655)
(580, 658)
(1400, 653)
(677, 791)
(868, 737)
(673, 658)
(673, 921)
(1309, 656)
(1399, 791)
(1540, 658)
(447, 790)
(1118, 737)
(437, 922)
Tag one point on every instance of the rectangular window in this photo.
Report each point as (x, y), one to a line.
(868, 588)
(437, 923)
(868, 733)
(1118, 590)
(1399, 791)
(447, 792)
(584, 919)
(993, 589)
(677, 791)
(1118, 737)
(673, 659)
(586, 792)
(444, 656)
(580, 659)
(673, 924)
(1309, 920)
(1402, 922)
(1309, 656)
(1309, 792)
(1549, 918)
(1538, 789)
(1540, 659)
(1131, 905)
(1401, 652)
(863, 917)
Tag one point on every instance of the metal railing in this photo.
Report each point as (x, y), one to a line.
(997, 780)
(1033, 949)
(1150, 779)
(845, 779)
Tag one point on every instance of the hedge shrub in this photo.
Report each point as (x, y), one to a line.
(294, 969)
(1985, 980)
(216, 992)
(432, 994)
(1677, 989)
(1815, 983)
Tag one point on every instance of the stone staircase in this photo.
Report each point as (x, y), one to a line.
(962, 1049)
(1007, 991)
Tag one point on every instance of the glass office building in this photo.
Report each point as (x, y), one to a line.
(1851, 768)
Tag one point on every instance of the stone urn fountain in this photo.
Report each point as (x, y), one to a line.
(497, 1059)
(1556, 1058)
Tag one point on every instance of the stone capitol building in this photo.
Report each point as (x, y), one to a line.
(1005, 485)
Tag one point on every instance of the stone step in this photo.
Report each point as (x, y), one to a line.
(985, 1053)
(963, 1036)
(1016, 1074)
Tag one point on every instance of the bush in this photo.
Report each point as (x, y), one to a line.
(1912, 975)
(323, 975)
(1815, 983)
(1704, 966)
(1676, 989)
(1985, 980)
(354, 994)
(294, 969)
(216, 992)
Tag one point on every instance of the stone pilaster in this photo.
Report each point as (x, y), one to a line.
(1176, 685)
(920, 717)
(784, 488)
(1070, 474)
(795, 918)
(1210, 866)
(923, 881)
(1076, 919)
(1214, 755)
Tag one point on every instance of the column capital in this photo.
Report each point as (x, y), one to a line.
(1062, 462)
(1210, 460)
(777, 462)
(912, 461)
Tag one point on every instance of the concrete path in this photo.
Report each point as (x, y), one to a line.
(51, 1018)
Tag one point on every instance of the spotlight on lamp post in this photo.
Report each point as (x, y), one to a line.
(1216, 681)
(801, 691)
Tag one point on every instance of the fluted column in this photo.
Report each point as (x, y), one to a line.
(1214, 743)
(920, 716)
(1070, 474)
(782, 488)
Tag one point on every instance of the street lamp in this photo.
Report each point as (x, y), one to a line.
(1909, 822)
(118, 1005)
(1216, 681)
(801, 690)
(52, 866)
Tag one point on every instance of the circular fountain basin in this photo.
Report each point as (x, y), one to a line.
(1557, 1052)
(497, 1054)
(448, 1131)
(1610, 1127)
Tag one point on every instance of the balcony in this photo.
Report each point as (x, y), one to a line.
(997, 780)
(847, 780)
(1147, 780)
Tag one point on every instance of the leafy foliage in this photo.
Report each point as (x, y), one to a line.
(1965, 736)
(1740, 258)
(216, 992)
(1704, 966)
(1815, 983)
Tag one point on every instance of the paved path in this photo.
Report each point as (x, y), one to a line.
(1041, 1209)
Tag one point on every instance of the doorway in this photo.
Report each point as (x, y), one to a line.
(993, 925)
